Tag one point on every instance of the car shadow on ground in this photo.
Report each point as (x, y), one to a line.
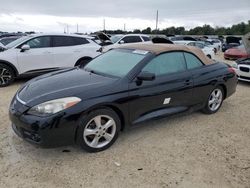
(127, 137)
(247, 84)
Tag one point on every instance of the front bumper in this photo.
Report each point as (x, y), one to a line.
(243, 73)
(52, 131)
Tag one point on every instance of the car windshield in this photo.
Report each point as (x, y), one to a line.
(241, 47)
(16, 42)
(115, 38)
(116, 63)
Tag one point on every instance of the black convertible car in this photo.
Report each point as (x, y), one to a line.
(118, 90)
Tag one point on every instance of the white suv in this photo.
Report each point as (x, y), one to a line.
(42, 53)
(118, 40)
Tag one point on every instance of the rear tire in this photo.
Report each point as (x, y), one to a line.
(98, 130)
(7, 75)
(214, 101)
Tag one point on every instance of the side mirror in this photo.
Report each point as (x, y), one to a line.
(146, 76)
(25, 47)
(122, 42)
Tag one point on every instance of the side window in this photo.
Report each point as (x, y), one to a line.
(192, 61)
(145, 38)
(79, 41)
(191, 44)
(131, 39)
(39, 42)
(61, 41)
(167, 63)
(199, 45)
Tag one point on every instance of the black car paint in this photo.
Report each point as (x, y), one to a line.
(133, 101)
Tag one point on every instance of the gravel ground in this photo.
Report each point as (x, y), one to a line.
(195, 150)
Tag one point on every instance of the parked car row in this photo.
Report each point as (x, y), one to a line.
(41, 53)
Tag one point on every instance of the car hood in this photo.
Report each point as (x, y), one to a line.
(244, 61)
(102, 36)
(236, 51)
(67, 83)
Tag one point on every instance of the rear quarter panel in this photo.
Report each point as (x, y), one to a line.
(205, 79)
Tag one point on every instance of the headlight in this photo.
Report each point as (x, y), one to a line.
(235, 65)
(53, 106)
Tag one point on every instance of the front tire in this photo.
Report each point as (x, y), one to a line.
(98, 130)
(214, 101)
(7, 75)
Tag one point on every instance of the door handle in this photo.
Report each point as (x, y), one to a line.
(77, 51)
(187, 82)
(47, 52)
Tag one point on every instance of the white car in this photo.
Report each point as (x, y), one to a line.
(41, 53)
(208, 51)
(2, 47)
(242, 69)
(118, 40)
(216, 43)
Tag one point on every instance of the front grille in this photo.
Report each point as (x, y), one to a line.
(244, 69)
(26, 134)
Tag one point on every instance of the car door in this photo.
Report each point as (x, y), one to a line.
(65, 51)
(170, 92)
(39, 56)
(202, 75)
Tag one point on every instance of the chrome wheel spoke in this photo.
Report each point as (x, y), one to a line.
(211, 101)
(98, 120)
(95, 141)
(213, 106)
(108, 137)
(218, 94)
(108, 124)
(2, 72)
(2, 80)
(88, 132)
(6, 76)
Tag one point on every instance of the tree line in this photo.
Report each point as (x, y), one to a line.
(237, 29)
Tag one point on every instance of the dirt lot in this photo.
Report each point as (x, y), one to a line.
(196, 150)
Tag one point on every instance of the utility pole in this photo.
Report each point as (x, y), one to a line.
(104, 25)
(156, 25)
(124, 28)
(77, 28)
(67, 28)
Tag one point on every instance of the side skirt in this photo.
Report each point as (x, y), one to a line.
(170, 112)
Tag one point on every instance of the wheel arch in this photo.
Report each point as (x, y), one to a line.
(224, 90)
(10, 65)
(113, 107)
(83, 58)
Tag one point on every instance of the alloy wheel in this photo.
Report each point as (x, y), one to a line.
(215, 99)
(5, 76)
(99, 131)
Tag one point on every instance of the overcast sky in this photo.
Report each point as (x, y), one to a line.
(54, 15)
